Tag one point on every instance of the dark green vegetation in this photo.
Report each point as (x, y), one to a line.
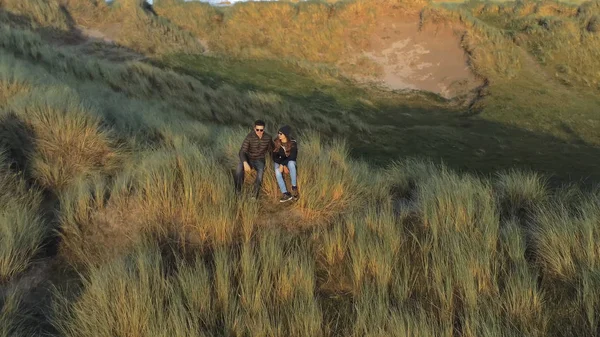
(117, 216)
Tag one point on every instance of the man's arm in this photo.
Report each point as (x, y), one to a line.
(244, 150)
(271, 146)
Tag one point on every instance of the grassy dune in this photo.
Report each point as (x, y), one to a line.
(126, 168)
(540, 51)
(537, 59)
(281, 29)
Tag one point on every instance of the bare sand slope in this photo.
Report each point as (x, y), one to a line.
(429, 59)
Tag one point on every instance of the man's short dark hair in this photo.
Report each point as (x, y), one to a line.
(259, 122)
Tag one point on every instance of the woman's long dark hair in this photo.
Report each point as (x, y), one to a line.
(287, 146)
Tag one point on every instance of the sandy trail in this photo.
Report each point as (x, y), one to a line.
(101, 42)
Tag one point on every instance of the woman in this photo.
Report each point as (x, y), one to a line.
(285, 152)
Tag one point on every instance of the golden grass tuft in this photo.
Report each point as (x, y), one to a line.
(564, 238)
(88, 13)
(197, 17)
(69, 142)
(200, 295)
(179, 194)
(329, 182)
(13, 319)
(37, 13)
(137, 28)
(520, 191)
(22, 230)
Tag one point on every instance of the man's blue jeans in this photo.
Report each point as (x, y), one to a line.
(291, 165)
(259, 166)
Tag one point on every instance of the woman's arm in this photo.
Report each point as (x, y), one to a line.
(277, 158)
(293, 153)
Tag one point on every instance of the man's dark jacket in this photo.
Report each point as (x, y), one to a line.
(254, 148)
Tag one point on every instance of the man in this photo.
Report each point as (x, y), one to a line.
(257, 144)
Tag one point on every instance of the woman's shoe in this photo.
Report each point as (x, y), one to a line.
(285, 197)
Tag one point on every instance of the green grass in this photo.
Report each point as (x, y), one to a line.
(291, 78)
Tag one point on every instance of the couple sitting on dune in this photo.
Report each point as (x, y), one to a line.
(256, 146)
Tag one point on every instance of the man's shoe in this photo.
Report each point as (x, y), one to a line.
(285, 197)
(295, 193)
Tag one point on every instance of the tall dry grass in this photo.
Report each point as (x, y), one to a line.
(22, 229)
(138, 29)
(146, 33)
(264, 289)
(12, 317)
(419, 266)
(69, 141)
(314, 31)
(164, 248)
(197, 17)
(329, 181)
(88, 13)
(37, 14)
(523, 300)
(9, 88)
(519, 192)
(564, 241)
(175, 193)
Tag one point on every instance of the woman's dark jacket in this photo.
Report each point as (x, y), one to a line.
(281, 156)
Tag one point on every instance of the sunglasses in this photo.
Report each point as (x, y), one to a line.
(260, 130)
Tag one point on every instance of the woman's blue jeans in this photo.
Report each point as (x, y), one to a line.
(291, 165)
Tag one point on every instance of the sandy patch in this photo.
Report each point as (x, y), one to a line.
(101, 42)
(95, 34)
(105, 34)
(430, 59)
(204, 44)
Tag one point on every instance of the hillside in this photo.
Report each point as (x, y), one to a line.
(518, 103)
(449, 162)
